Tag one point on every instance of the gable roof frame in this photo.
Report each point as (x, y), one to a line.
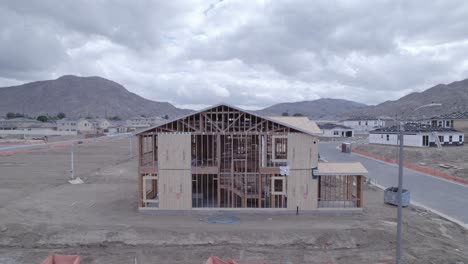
(235, 108)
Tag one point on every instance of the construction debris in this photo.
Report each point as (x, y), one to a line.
(445, 166)
(77, 180)
(216, 260)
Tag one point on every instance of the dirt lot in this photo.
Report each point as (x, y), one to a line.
(12, 140)
(431, 158)
(40, 213)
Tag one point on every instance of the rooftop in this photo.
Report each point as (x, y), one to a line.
(20, 119)
(97, 120)
(116, 123)
(37, 124)
(146, 117)
(413, 127)
(360, 118)
(332, 126)
(340, 168)
(455, 115)
(70, 120)
(300, 122)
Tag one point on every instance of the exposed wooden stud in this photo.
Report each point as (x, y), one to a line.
(232, 162)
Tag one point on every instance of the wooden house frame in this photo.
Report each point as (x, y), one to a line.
(225, 157)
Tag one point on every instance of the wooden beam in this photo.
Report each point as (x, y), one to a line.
(269, 170)
(190, 126)
(233, 122)
(212, 122)
(359, 191)
(140, 180)
(205, 170)
(256, 126)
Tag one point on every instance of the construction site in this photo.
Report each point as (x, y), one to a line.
(225, 157)
(42, 214)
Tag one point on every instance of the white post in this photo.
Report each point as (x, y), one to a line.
(72, 169)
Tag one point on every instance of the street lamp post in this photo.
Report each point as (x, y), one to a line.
(131, 146)
(400, 185)
(400, 191)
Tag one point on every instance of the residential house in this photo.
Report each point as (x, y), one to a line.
(418, 135)
(226, 158)
(81, 125)
(335, 130)
(457, 120)
(17, 123)
(100, 125)
(117, 127)
(362, 125)
(25, 126)
(143, 122)
(40, 128)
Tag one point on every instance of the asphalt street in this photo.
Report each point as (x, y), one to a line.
(448, 199)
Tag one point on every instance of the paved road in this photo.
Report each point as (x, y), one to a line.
(447, 198)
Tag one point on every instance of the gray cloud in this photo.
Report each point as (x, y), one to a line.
(249, 53)
(25, 49)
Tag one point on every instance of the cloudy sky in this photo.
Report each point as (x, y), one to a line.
(248, 53)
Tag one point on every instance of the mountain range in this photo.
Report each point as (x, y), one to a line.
(95, 96)
(453, 97)
(324, 108)
(81, 97)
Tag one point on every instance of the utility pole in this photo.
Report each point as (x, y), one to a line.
(400, 182)
(131, 146)
(72, 169)
(400, 191)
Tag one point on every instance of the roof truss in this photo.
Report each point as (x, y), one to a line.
(222, 119)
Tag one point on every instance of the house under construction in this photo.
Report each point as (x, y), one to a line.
(225, 157)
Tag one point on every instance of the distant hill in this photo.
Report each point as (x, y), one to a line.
(453, 97)
(96, 96)
(80, 97)
(324, 108)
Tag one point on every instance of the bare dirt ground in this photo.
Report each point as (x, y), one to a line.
(63, 138)
(40, 214)
(431, 158)
(18, 140)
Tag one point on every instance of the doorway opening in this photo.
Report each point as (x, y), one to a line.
(204, 190)
(425, 141)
